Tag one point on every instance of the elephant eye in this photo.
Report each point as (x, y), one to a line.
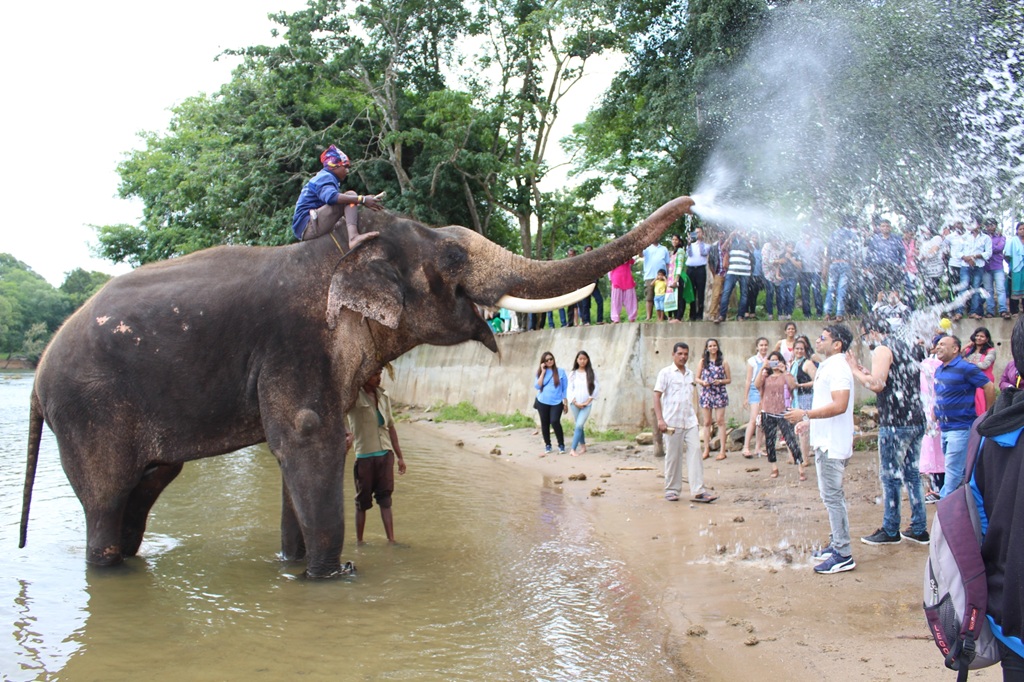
(452, 258)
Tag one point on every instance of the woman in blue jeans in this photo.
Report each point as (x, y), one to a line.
(550, 383)
(580, 392)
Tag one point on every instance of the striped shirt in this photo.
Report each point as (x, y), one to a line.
(739, 261)
(955, 384)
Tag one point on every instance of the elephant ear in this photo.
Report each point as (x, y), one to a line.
(369, 285)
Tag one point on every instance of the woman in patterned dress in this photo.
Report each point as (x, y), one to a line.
(713, 375)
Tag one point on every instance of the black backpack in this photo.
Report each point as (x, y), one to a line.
(955, 585)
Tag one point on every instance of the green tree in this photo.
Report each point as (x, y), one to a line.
(80, 284)
(26, 299)
(815, 107)
(538, 50)
(231, 165)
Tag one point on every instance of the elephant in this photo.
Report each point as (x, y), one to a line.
(236, 345)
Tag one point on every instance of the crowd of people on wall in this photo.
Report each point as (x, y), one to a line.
(862, 266)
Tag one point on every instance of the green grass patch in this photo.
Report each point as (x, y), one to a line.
(467, 412)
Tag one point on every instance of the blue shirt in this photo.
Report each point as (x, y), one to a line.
(955, 384)
(655, 258)
(547, 392)
(323, 189)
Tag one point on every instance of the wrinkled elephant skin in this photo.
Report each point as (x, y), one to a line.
(232, 346)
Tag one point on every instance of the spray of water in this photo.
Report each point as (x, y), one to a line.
(866, 108)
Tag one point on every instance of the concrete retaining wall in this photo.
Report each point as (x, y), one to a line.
(626, 357)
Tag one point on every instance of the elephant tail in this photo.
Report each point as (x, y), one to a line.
(35, 433)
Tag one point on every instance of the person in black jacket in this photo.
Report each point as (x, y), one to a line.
(998, 486)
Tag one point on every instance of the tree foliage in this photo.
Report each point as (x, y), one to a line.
(31, 309)
(366, 78)
(817, 107)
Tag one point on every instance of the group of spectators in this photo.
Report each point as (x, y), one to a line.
(973, 272)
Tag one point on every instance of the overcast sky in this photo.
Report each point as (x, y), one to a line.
(81, 80)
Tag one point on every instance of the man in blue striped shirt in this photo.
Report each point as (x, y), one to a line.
(955, 383)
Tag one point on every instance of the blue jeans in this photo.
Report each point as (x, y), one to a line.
(730, 283)
(830, 487)
(954, 451)
(788, 299)
(994, 282)
(583, 307)
(899, 452)
(810, 283)
(773, 294)
(971, 279)
(838, 280)
(579, 416)
(561, 318)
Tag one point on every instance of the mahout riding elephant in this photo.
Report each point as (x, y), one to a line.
(235, 345)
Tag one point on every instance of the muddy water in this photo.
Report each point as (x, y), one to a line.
(497, 578)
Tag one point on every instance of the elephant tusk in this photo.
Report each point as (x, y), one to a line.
(543, 305)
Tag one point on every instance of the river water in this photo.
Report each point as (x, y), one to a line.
(496, 577)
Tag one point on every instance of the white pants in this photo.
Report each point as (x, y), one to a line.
(676, 443)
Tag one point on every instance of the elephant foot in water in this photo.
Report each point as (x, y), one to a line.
(345, 570)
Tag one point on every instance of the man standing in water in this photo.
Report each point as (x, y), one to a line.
(831, 425)
(895, 377)
(371, 430)
(677, 421)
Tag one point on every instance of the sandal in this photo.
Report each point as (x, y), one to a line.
(746, 454)
(720, 457)
(706, 455)
(1006, 316)
(705, 497)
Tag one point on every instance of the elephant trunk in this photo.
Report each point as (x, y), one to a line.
(495, 272)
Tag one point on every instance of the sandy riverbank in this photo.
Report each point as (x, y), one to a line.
(733, 579)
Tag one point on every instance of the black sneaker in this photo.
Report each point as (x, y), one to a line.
(880, 537)
(921, 538)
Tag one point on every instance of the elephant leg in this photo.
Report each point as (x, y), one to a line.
(103, 534)
(293, 546)
(141, 500)
(102, 477)
(314, 487)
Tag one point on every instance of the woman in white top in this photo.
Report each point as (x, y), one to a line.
(752, 399)
(785, 346)
(580, 392)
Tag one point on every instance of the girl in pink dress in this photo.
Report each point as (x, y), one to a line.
(623, 291)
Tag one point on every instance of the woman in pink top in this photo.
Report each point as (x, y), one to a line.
(623, 290)
(771, 383)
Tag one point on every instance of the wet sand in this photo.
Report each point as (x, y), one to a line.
(733, 580)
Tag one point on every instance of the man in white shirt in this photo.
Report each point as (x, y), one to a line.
(697, 271)
(954, 236)
(831, 437)
(677, 421)
(655, 257)
(975, 250)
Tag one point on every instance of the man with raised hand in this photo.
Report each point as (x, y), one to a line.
(831, 438)
(895, 377)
